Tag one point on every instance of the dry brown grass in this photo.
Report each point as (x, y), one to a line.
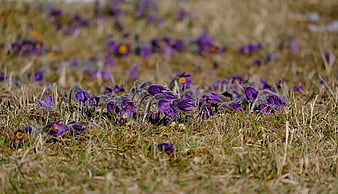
(292, 151)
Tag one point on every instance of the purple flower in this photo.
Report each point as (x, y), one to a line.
(111, 46)
(213, 97)
(133, 73)
(94, 101)
(185, 105)
(236, 106)
(180, 15)
(128, 107)
(112, 108)
(82, 97)
(329, 58)
(16, 48)
(54, 12)
(264, 85)
(298, 88)
(184, 80)
(158, 89)
(37, 76)
(265, 108)
(204, 39)
(122, 50)
(47, 104)
(167, 148)
(143, 51)
(167, 108)
(275, 101)
(3, 76)
(293, 45)
(56, 129)
(209, 109)
(248, 49)
(19, 134)
(237, 79)
(104, 74)
(73, 63)
(251, 94)
(108, 61)
(76, 128)
(119, 90)
(178, 45)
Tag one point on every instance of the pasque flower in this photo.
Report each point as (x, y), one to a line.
(122, 50)
(56, 129)
(19, 134)
(128, 108)
(82, 97)
(133, 73)
(251, 94)
(94, 101)
(76, 128)
(158, 89)
(165, 147)
(47, 103)
(185, 105)
(167, 108)
(184, 80)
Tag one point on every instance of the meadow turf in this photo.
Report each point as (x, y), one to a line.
(293, 150)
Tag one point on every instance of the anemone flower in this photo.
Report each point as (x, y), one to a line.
(133, 73)
(236, 106)
(185, 105)
(111, 46)
(143, 51)
(122, 50)
(37, 76)
(82, 97)
(76, 128)
(265, 108)
(56, 129)
(275, 101)
(158, 89)
(298, 88)
(167, 108)
(112, 108)
(128, 107)
(165, 147)
(94, 101)
(251, 94)
(3, 76)
(19, 134)
(184, 80)
(47, 103)
(178, 45)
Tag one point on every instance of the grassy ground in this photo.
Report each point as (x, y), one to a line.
(293, 150)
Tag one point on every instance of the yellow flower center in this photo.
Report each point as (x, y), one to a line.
(51, 53)
(94, 101)
(121, 92)
(37, 45)
(213, 108)
(19, 135)
(213, 49)
(181, 80)
(123, 49)
(55, 126)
